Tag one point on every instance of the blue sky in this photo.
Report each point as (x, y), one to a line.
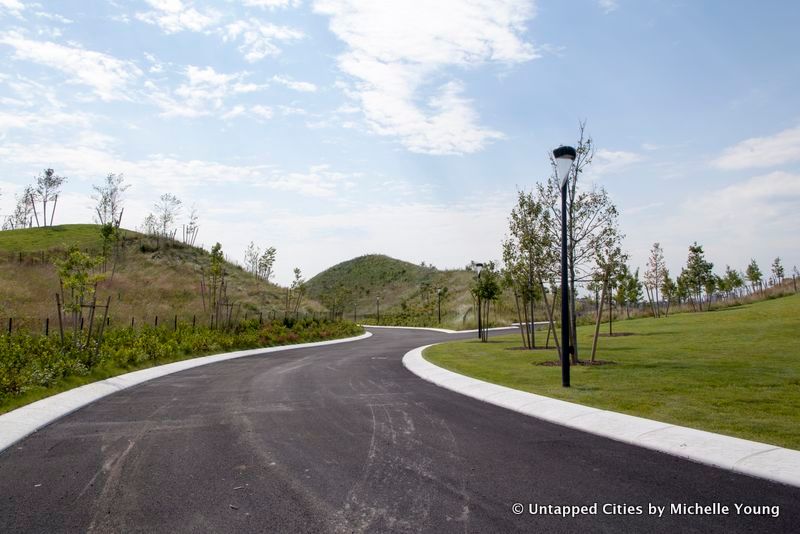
(334, 128)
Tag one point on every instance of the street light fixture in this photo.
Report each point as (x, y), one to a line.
(478, 269)
(564, 157)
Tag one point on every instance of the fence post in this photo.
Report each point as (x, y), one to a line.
(260, 317)
(10, 324)
(60, 323)
(47, 326)
(156, 321)
(132, 320)
(175, 325)
(194, 321)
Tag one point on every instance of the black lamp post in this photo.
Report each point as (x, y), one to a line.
(378, 307)
(479, 268)
(564, 157)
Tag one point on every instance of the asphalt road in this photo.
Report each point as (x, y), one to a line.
(344, 439)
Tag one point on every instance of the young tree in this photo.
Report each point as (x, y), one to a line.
(590, 214)
(699, 274)
(753, 274)
(76, 273)
(668, 290)
(150, 224)
(22, 217)
(47, 188)
(297, 290)
(191, 228)
(732, 281)
(487, 289)
(654, 275)
(777, 270)
(529, 256)
(633, 289)
(265, 263)
(167, 210)
(108, 198)
(610, 261)
(251, 255)
(216, 276)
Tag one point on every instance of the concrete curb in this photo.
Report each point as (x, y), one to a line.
(22, 422)
(738, 455)
(442, 330)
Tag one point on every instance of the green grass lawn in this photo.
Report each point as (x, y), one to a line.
(52, 237)
(735, 371)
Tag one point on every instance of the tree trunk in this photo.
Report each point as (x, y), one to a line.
(597, 322)
(550, 312)
(532, 325)
(519, 317)
(574, 315)
(610, 316)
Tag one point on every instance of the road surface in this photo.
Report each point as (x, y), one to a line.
(343, 438)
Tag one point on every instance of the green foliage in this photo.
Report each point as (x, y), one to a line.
(753, 273)
(34, 362)
(77, 276)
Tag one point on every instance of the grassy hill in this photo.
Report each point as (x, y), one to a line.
(407, 292)
(151, 277)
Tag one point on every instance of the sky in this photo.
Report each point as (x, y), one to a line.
(335, 128)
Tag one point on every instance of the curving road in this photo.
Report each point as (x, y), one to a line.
(344, 439)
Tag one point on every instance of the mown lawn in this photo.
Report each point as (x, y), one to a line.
(52, 237)
(734, 371)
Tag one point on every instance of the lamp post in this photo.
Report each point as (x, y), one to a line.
(378, 307)
(564, 157)
(479, 268)
(439, 303)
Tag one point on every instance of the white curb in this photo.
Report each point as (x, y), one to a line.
(20, 423)
(738, 455)
(442, 330)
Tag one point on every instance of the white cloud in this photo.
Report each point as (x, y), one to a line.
(395, 49)
(749, 219)
(272, 4)
(39, 120)
(304, 87)
(258, 39)
(204, 93)
(173, 16)
(55, 17)
(13, 7)
(107, 76)
(319, 181)
(762, 152)
(611, 161)
(608, 5)
(263, 112)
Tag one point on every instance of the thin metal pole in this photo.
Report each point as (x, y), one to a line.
(566, 348)
(480, 330)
